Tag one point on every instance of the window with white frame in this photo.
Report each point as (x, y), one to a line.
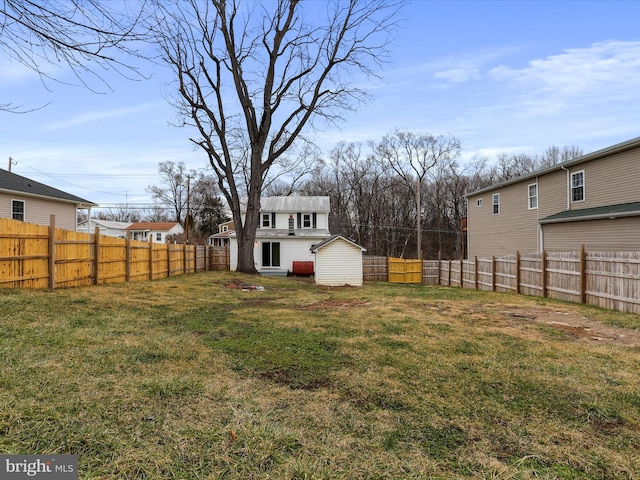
(533, 196)
(266, 220)
(496, 203)
(17, 210)
(270, 254)
(577, 186)
(479, 202)
(159, 237)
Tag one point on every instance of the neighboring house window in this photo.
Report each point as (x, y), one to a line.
(225, 228)
(577, 186)
(479, 202)
(17, 210)
(533, 196)
(306, 220)
(271, 254)
(496, 203)
(159, 237)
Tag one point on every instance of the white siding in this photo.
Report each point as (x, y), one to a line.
(292, 249)
(339, 263)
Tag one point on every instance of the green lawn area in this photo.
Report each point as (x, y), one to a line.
(187, 378)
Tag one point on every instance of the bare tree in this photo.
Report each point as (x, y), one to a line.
(252, 77)
(412, 156)
(80, 34)
(172, 194)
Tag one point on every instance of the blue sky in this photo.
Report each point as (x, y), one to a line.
(502, 76)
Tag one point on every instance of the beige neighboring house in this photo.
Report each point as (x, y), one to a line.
(105, 227)
(157, 231)
(29, 201)
(593, 200)
(221, 239)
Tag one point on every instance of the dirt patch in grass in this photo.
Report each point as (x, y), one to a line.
(336, 304)
(573, 324)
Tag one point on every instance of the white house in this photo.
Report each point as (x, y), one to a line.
(158, 231)
(289, 228)
(338, 261)
(105, 227)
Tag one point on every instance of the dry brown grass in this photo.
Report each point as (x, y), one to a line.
(187, 378)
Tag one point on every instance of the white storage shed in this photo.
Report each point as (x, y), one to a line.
(338, 261)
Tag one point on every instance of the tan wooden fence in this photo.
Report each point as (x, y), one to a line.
(36, 256)
(605, 279)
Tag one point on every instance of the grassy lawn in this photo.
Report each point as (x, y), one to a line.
(186, 378)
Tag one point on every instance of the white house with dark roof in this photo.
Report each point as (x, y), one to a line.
(33, 202)
(156, 231)
(289, 227)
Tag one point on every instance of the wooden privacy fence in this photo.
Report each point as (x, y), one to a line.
(604, 279)
(36, 256)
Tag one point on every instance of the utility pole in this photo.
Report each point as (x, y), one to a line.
(186, 221)
(11, 162)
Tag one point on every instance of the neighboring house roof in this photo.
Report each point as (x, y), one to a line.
(13, 183)
(292, 204)
(107, 224)
(618, 148)
(332, 239)
(607, 211)
(155, 226)
(222, 234)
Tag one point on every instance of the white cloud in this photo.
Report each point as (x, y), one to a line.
(96, 115)
(594, 71)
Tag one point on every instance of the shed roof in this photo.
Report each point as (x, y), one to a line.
(13, 183)
(332, 239)
(607, 211)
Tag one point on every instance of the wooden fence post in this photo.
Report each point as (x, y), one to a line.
(184, 258)
(168, 260)
(52, 251)
(543, 282)
(518, 272)
(96, 254)
(583, 275)
(127, 259)
(475, 269)
(151, 258)
(493, 273)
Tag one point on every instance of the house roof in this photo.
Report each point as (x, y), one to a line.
(13, 183)
(607, 211)
(332, 239)
(107, 224)
(292, 204)
(618, 148)
(155, 226)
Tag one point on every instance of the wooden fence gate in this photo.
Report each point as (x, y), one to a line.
(405, 271)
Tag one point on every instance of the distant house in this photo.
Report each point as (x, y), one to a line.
(29, 201)
(289, 227)
(157, 231)
(105, 227)
(593, 200)
(221, 239)
(338, 261)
